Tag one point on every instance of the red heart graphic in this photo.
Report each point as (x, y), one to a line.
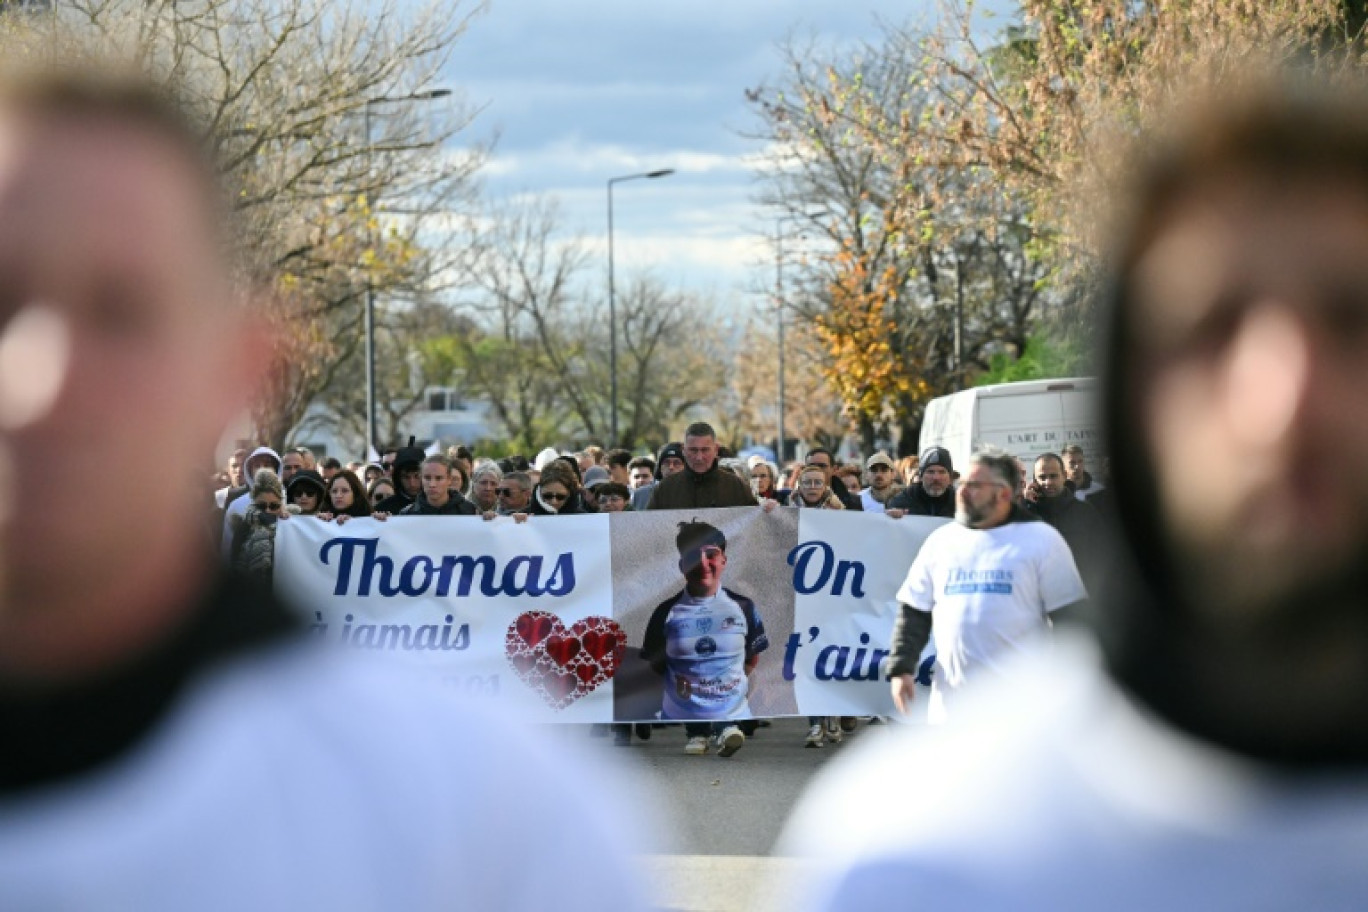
(534, 627)
(598, 644)
(563, 649)
(559, 664)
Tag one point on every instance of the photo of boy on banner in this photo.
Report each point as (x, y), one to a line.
(706, 640)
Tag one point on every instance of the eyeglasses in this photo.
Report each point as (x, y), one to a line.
(812, 483)
(555, 498)
(272, 507)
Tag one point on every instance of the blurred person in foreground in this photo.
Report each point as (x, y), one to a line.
(169, 739)
(1212, 751)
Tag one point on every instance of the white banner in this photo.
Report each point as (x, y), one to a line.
(710, 614)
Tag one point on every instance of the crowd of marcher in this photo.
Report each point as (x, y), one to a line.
(695, 472)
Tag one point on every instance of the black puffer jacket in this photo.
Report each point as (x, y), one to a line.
(917, 502)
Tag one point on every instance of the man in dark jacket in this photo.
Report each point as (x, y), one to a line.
(934, 492)
(408, 464)
(1050, 498)
(701, 484)
(436, 498)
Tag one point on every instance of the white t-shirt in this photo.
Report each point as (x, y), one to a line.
(989, 592)
(293, 780)
(868, 503)
(705, 648)
(1062, 793)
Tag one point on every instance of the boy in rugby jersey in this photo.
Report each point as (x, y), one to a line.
(705, 641)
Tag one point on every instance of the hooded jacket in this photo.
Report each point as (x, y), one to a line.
(238, 506)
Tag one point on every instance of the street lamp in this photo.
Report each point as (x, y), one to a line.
(429, 95)
(612, 300)
(779, 309)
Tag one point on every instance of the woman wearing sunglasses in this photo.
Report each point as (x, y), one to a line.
(253, 551)
(557, 494)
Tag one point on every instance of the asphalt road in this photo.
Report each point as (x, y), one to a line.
(727, 814)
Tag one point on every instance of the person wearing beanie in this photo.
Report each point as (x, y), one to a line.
(934, 492)
(668, 461)
(408, 483)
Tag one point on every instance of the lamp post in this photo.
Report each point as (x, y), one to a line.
(779, 309)
(612, 301)
(429, 95)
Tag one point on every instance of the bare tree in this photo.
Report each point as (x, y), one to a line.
(316, 108)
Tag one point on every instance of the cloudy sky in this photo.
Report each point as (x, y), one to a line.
(583, 91)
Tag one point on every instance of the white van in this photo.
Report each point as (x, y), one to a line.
(1025, 419)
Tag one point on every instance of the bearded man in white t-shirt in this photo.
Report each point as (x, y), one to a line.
(992, 582)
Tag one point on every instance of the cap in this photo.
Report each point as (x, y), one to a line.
(879, 458)
(596, 476)
(936, 456)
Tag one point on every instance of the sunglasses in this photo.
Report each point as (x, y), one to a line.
(556, 498)
(507, 492)
(273, 507)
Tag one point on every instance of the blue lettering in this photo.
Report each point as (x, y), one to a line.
(808, 579)
(791, 653)
(407, 582)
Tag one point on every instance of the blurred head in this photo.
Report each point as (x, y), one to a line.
(762, 478)
(617, 462)
(435, 475)
(642, 472)
(347, 495)
(484, 490)
(290, 463)
(671, 459)
(983, 499)
(1239, 346)
(409, 477)
(613, 497)
(306, 490)
(235, 467)
(515, 492)
(880, 472)
(120, 329)
(812, 485)
(821, 458)
(700, 447)
(558, 485)
(267, 493)
(1049, 475)
(379, 490)
(1074, 467)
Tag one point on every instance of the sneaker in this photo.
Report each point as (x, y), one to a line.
(642, 731)
(814, 737)
(697, 745)
(848, 724)
(730, 741)
(833, 730)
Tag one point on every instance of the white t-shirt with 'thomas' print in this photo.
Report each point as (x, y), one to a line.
(989, 592)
